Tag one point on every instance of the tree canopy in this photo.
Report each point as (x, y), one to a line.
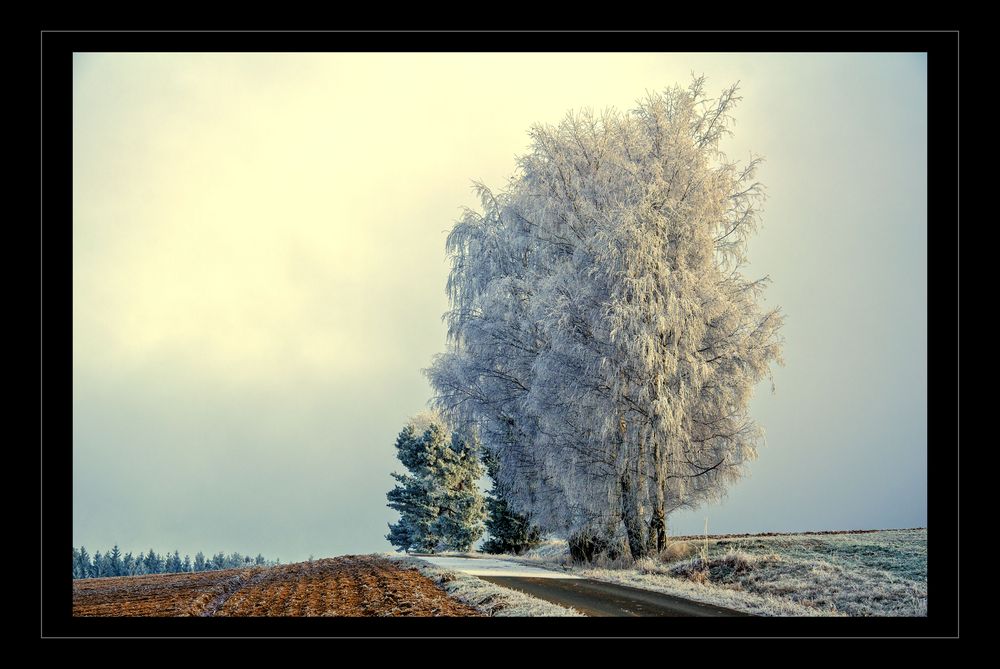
(602, 336)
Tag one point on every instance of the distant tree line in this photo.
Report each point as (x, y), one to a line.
(113, 563)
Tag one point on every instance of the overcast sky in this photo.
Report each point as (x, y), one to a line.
(259, 275)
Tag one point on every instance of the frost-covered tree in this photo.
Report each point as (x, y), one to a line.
(413, 496)
(460, 503)
(152, 562)
(112, 563)
(602, 337)
(115, 562)
(439, 504)
(173, 563)
(81, 563)
(509, 531)
(128, 564)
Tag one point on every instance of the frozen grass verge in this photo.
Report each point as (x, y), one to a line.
(484, 596)
(695, 583)
(872, 573)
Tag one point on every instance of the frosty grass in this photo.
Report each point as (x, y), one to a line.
(863, 574)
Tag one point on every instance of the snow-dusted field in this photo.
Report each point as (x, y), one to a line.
(856, 574)
(491, 599)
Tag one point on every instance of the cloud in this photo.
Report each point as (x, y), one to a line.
(259, 275)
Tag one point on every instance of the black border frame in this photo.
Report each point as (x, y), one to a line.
(57, 47)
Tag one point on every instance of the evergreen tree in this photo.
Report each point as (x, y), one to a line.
(115, 562)
(413, 497)
(460, 504)
(152, 562)
(81, 563)
(509, 531)
(439, 504)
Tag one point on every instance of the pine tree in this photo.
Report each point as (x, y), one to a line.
(413, 497)
(115, 562)
(460, 504)
(152, 563)
(509, 531)
(81, 563)
(439, 504)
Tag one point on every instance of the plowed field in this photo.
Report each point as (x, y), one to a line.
(350, 585)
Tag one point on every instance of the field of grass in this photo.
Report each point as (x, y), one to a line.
(881, 573)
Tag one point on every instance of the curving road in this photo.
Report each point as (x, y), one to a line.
(590, 597)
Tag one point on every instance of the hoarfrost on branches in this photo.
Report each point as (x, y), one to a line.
(602, 336)
(439, 504)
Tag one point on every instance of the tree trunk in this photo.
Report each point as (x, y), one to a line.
(658, 528)
(659, 522)
(635, 527)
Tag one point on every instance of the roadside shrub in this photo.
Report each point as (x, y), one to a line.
(676, 550)
(598, 549)
(721, 568)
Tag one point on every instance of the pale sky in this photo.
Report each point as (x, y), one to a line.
(259, 274)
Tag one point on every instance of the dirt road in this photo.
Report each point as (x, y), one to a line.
(600, 599)
(350, 585)
(590, 597)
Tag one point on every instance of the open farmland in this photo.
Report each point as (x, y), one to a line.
(156, 595)
(352, 585)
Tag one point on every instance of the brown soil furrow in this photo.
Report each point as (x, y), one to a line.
(229, 588)
(352, 585)
(160, 595)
